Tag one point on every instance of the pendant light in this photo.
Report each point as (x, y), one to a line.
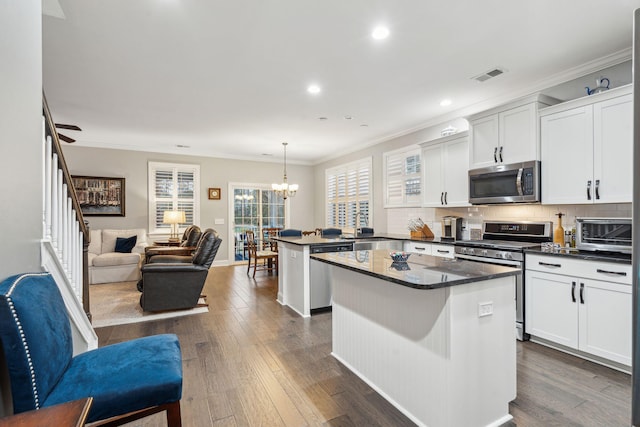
(285, 189)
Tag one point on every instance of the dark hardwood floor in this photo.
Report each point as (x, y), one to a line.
(252, 362)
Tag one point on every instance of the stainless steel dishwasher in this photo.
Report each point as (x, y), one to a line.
(319, 279)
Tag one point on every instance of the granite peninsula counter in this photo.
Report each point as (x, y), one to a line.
(434, 338)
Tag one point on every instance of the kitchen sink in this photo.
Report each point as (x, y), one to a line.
(370, 244)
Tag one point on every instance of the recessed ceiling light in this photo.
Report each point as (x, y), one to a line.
(348, 117)
(267, 154)
(364, 125)
(314, 89)
(183, 146)
(380, 33)
(445, 102)
(323, 118)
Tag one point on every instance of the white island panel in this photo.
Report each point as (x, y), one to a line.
(428, 351)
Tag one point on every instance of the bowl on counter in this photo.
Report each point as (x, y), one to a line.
(398, 256)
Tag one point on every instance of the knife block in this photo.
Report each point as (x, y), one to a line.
(424, 233)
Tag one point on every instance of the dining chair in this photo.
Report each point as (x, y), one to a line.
(290, 232)
(262, 259)
(128, 381)
(330, 232)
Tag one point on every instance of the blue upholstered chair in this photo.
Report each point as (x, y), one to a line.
(291, 232)
(127, 381)
(330, 232)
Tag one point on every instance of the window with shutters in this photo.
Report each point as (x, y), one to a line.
(173, 187)
(349, 192)
(402, 177)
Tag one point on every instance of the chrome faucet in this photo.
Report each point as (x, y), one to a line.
(360, 214)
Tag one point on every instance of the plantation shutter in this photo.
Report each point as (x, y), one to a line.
(348, 190)
(173, 187)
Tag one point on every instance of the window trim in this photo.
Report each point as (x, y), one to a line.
(345, 168)
(151, 198)
(404, 153)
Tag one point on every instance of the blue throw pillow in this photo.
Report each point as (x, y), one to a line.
(125, 245)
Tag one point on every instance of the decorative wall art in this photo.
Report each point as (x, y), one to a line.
(214, 194)
(100, 196)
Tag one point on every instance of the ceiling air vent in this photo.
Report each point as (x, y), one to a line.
(488, 74)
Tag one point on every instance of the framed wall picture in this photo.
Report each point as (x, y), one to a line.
(100, 196)
(214, 194)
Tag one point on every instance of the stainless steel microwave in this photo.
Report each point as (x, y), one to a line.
(513, 183)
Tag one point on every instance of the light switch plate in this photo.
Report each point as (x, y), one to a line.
(485, 309)
(219, 221)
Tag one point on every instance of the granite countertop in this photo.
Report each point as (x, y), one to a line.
(585, 255)
(318, 240)
(430, 273)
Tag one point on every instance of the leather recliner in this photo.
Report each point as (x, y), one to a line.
(188, 242)
(176, 282)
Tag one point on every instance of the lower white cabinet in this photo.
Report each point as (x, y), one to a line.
(443, 251)
(582, 305)
(417, 247)
(435, 249)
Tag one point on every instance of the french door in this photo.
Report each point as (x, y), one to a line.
(256, 207)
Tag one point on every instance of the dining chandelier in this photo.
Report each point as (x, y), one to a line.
(285, 189)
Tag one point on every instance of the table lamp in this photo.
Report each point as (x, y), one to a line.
(174, 218)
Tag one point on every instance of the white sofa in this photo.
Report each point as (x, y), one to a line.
(106, 265)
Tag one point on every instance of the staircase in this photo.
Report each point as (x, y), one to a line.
(65, 237)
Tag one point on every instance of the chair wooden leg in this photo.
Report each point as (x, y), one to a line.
(174, 418)
(248, 265)
(255, 266)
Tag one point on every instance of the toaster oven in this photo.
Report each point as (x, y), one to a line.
(604, 234)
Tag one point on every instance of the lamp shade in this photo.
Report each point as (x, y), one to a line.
(174, 217)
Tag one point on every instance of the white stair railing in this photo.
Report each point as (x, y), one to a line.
(63, 240)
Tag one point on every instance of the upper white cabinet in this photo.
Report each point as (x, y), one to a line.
(445, 171)
(587, 149)
(402, 177)
(507, 134)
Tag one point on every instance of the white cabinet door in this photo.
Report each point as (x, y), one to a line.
(456, 172)
(613, 150)
(551, 310)
(484, 142)
(417, 247)
(432, 176)
(518, 135)
(605, 313)
(443, 251)
(567, 156)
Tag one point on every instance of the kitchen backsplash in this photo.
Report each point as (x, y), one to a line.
(398, 218)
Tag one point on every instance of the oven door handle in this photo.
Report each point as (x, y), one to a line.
(519, 182)
(507, 262)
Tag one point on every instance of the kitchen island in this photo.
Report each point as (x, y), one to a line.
(436, 339)
(303, 284)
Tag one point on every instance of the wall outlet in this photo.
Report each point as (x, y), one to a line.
(485, 309)
(293, 254)
(219, 221)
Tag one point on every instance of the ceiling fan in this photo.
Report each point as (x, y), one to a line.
(65, 138)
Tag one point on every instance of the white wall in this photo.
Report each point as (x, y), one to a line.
(379, 222)
(214, 172)
(21, 152)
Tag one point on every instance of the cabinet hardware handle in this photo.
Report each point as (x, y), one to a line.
(442, 198)
(442, 251)
(597, 189)
(501, 147)
(617, 273)
(573, 291)
(548, 264)
(495, 154)
(581, 293)
(418, 248)
(445, 198)
(589, 190)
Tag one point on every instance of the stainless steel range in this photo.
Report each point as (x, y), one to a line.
(503, 243)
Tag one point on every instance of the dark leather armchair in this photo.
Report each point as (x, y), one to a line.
(177, 282)
(187, 244)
